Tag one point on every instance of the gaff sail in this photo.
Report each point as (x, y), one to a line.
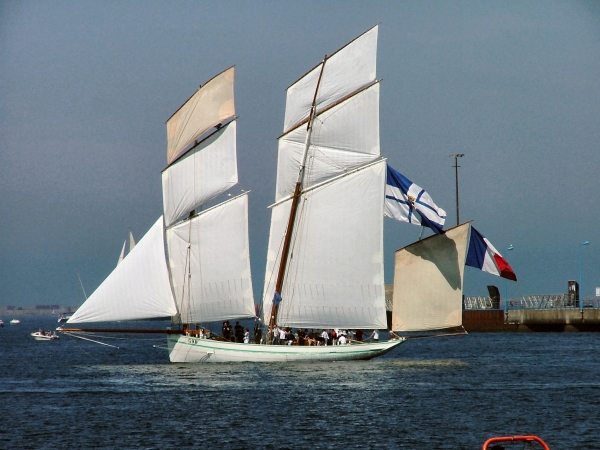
(209, 258)
(334, 277)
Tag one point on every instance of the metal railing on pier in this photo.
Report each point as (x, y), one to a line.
(552, 301)
(478, 303)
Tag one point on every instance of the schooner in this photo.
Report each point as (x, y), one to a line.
(324, 267)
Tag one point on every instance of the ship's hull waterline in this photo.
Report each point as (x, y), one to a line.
(189, 349)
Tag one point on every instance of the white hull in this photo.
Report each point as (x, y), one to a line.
(191, 349)
(44, 337)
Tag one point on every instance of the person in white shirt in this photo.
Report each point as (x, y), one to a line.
(375, 336)
(275, 335)
(325, 337)
(342, 340)
(282, 334)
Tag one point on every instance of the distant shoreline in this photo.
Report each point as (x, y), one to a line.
(33, 311)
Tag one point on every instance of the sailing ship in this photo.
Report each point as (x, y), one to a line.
(324, 268)
(125, 250)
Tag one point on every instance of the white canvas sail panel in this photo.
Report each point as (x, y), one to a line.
(209, 258)
(343, 138)
(138, 288)
(204, 172)
(334, 276)
(210, 105)
(428, 282)
(346, 71)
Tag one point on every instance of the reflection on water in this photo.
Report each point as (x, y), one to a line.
(441, 393)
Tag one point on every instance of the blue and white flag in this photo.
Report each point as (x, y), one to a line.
(407, 202)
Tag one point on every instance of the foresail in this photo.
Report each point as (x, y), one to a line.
(346, 71)
(212, 104)
(428, 282)
(209, 259)
(138, 288)
(206, 171)
(343, 137)
(334, 276)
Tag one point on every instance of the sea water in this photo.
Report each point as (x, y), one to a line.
(441, 393)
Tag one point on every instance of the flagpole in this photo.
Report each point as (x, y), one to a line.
(510, 247)
(456, 166)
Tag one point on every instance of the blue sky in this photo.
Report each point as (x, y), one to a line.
(86, 88)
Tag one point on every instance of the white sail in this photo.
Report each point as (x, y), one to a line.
(138, 288)
(131, 241)
(346, 71)
(210, 264)
(334, 276)
(211, 104)
(428, 282)
(122, 255)
(344, 137)
(206, 171)
(123, 250)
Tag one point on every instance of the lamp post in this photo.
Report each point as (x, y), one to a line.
(581, 290)
(510, 247)
(456, 166)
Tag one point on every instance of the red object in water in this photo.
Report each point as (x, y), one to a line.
(494, 440)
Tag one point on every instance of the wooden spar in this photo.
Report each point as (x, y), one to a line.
(285, 252)
(118, 330)
(294, 207)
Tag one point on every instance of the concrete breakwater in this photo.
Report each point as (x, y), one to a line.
(554, 319)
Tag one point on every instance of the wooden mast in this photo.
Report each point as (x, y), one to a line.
(294, 207)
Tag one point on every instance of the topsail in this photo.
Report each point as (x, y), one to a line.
(209, 106)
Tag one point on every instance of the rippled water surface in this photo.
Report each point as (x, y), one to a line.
(443, 393)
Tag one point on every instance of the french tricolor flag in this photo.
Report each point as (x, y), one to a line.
(484, 256)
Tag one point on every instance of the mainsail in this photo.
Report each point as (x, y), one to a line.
(205, 273)
(330, 181)
(428, 282)
(209, 258)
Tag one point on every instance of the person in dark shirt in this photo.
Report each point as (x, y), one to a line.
(226, 331)
(239, 333)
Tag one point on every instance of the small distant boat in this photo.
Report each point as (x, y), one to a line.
(44, 335)
(15, 321)
(64, 317)
(1, 323)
